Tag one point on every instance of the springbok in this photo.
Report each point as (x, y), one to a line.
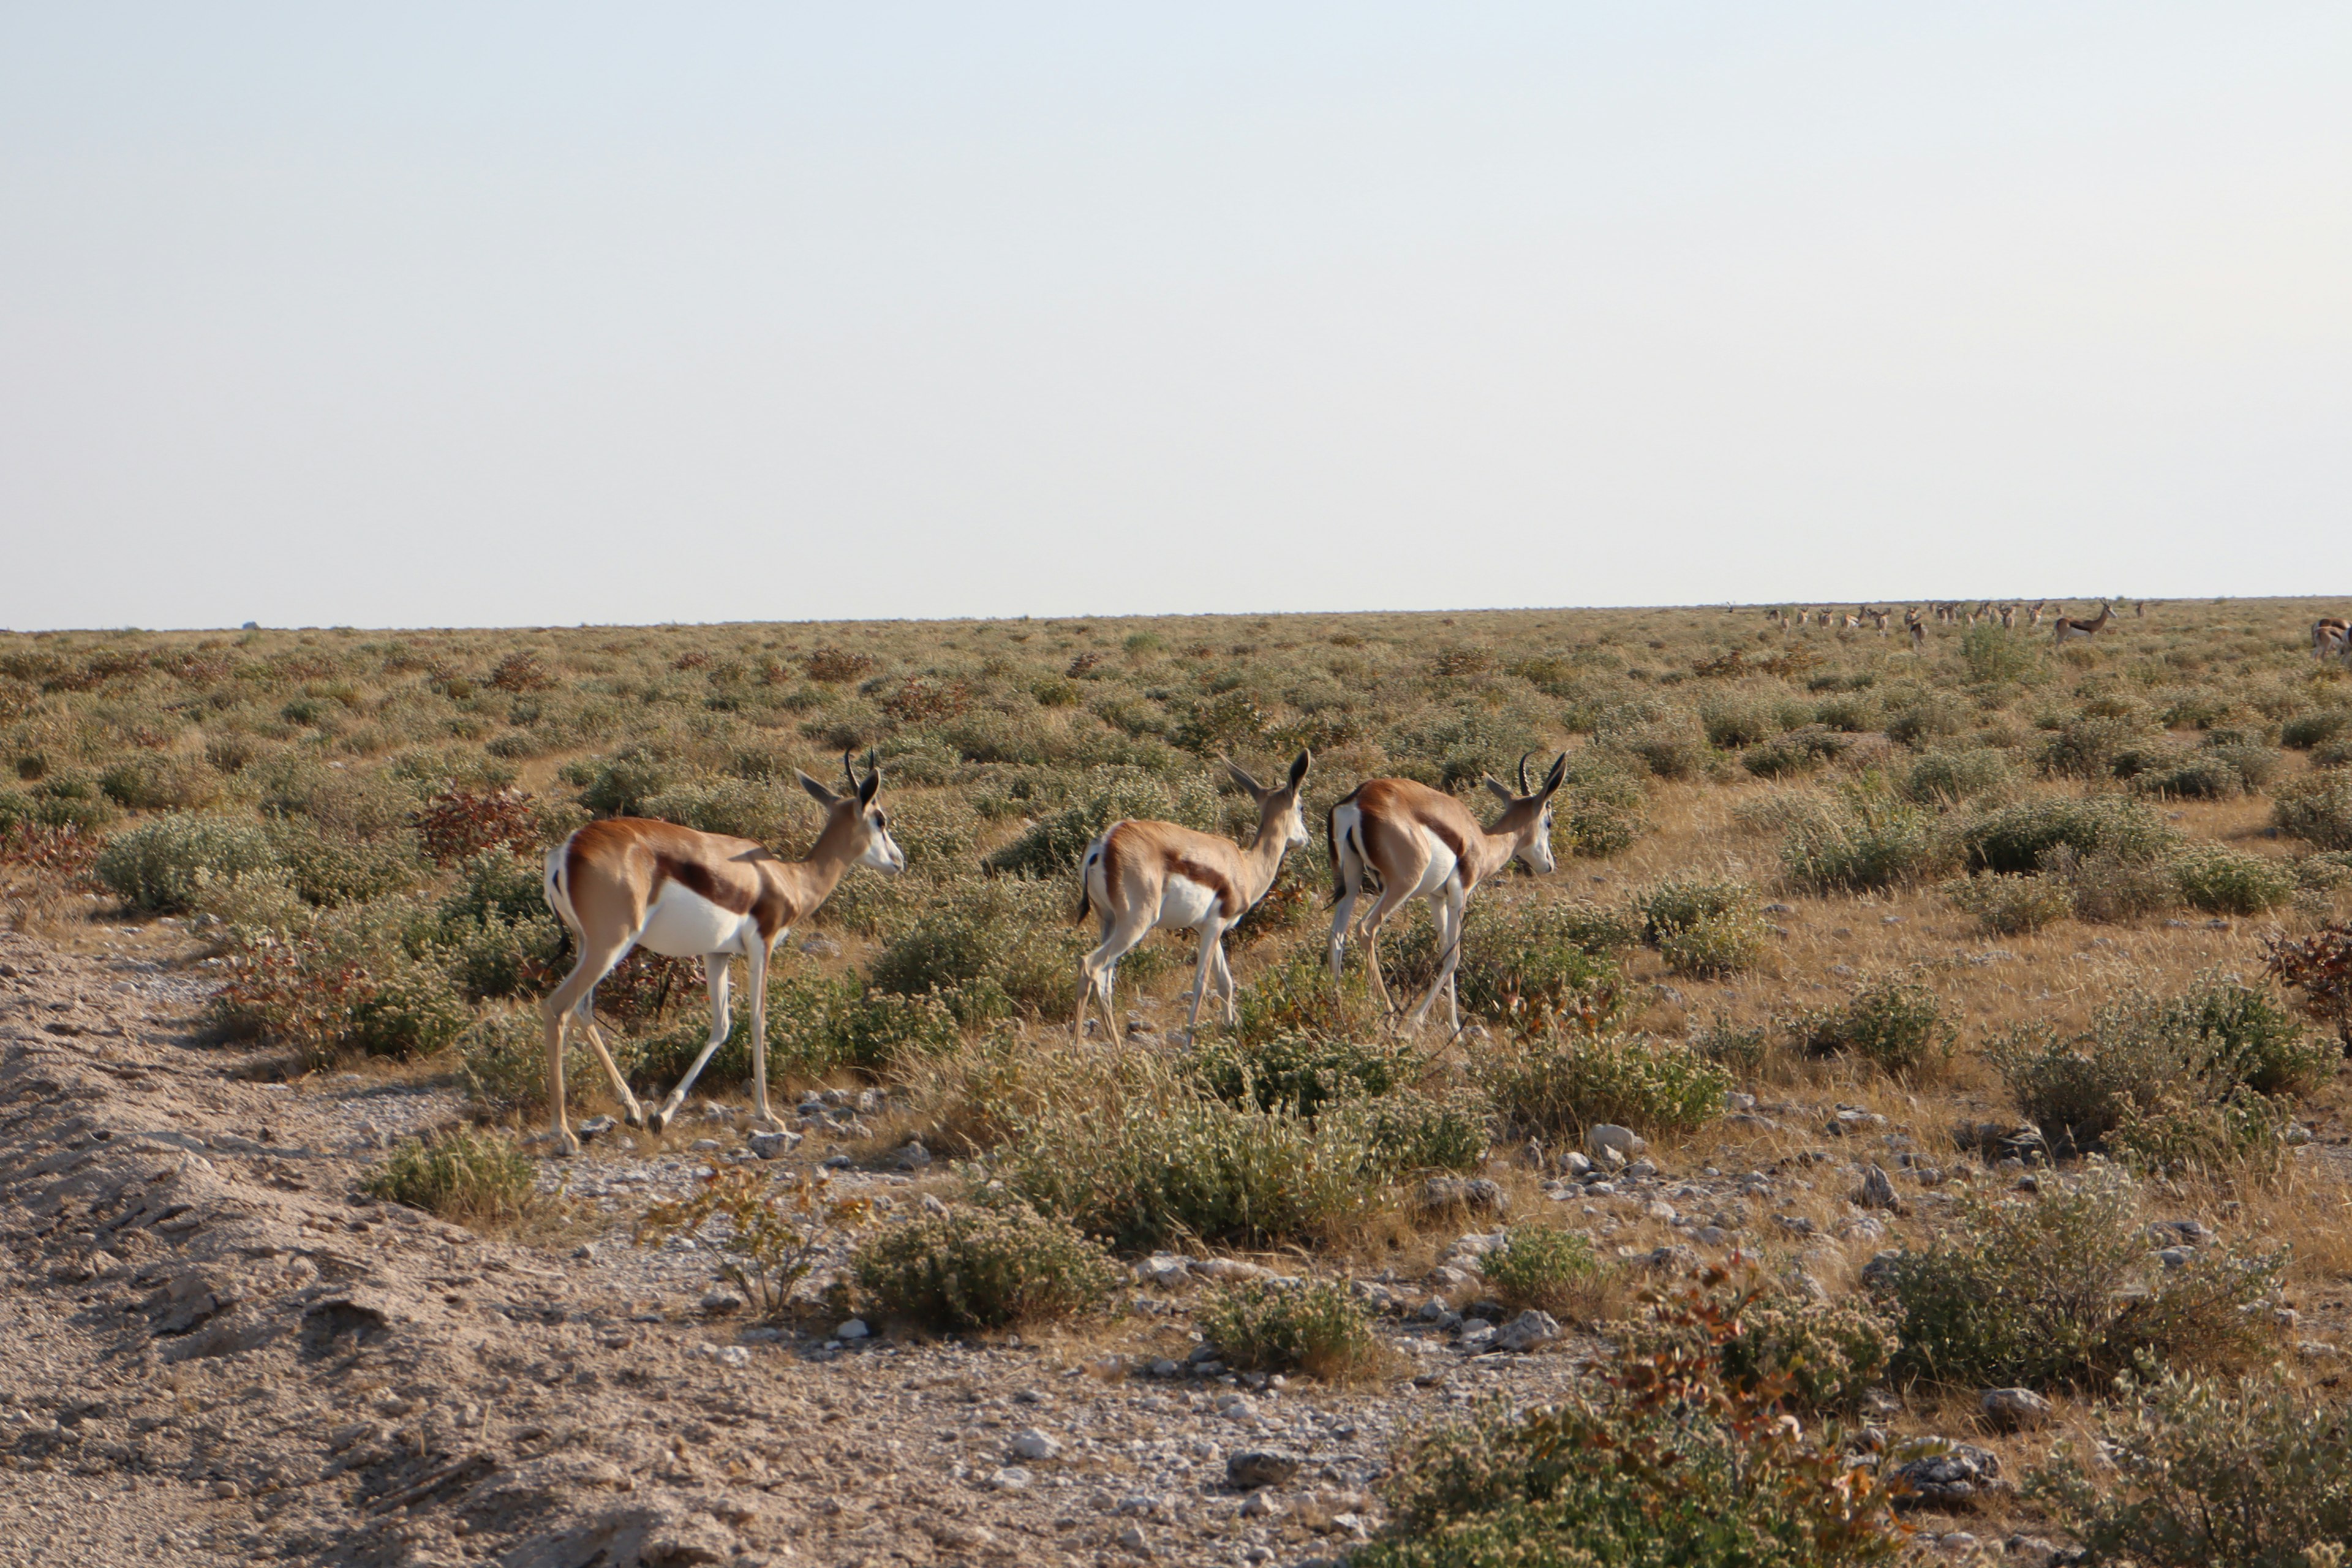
(1414, 842)
(1140, 875)
(1918, 633)
(2039, 605)
(628, 881)
(2328, 635)
(2066, 630)
(2009, 617)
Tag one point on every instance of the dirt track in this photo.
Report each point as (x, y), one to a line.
(217, 1352)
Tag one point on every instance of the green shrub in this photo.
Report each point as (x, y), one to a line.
(2212, 1042)
(1519, 956)
(982, 1268)
(1160, 1161)
(992, 944)
(461, 1173)
(1716, 945)
(1602, 810)
(159, 783)
(2316, 728)
(2064, 1291)
(1861, 839)
(1680, 901)
(2191, 1471)
(2087, 747)
(2317, 808)
(1312, 1326)
(1550, 1270)
(2010, 904)
(772, 1231)
(163, 864)
(368, 980)
(1795, 752)
(2222, 881)
(622, 784)
(2016, 838)
(1997, 655)
(1943, 778)
(1662, 1460)
(1406, 1132)
(1304, 1071)
(332, 868)
(2113, 887)
(1051, 847)
(741, 808)
(1731, 722)
(1743, 1048)
(1897, 1026)
(1555, 1084)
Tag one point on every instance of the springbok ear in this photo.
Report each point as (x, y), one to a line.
(1558, 776)
(1241, 777)
(1502, 791)
(1299, 769)
(869, 787)
(817, 791)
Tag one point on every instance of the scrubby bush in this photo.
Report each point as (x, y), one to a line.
(369, 982)
(460, 1172)
(1860, 839)
(161, 783)
(982, 1268)
(1662, 1460)
(2317, 808)
(165, 863)
(1704, 927)
(995, 945)
(330, 868)
(1557, 1083)
(1051, 847)
(1997, 655)
(1407, 1133)
(1944, 778)
(1304, 1071)
(772, 1232)
(2316, 728)
(2222, 881)
(2191, 1471)
(1897, 1025)
(2066, 1291)
(2088, 746)
(2318, 969)
(1312, 1326)
(1550, 1270)
(622, 784)
(2016, 838)
(1809, 1354)
(2213, 1043)
(1156, 1160)
(1520, 957)
(1797, 751)
(2010, 904)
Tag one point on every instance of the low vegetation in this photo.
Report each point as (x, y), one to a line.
(460, 1172)
(970, 1268)
(1312, 1326)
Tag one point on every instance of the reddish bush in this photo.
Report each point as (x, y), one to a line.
(2318, 968)
(925, 702)
(459, 823)
(64, 853)
(835, 663)
(521, 672)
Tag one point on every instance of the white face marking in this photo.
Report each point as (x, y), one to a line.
(1294, 829)
(882, 851)
(1537, 854)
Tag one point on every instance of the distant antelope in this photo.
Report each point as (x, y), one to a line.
(628, 881)
(1142, 876)
(2038, 604)
(2329, 635)
(1411, 841)
(2009, 617)
(1878, 618)
(2139, 610)
(2066, 630)
(1918, 637)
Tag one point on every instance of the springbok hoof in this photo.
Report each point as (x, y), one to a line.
(563, 1146)
(657, 1119)
(634, 1116)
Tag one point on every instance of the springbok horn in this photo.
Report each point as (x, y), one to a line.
(873, 768)
(1523, 771)
(849, 772)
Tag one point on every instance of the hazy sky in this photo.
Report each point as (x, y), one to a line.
(462, 315)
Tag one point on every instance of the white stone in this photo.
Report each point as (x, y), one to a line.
(1034, 1445)
(855, 1329)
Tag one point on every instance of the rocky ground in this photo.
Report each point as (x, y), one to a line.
(217, 1351)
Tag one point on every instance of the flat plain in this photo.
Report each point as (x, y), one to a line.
(1907, 1121)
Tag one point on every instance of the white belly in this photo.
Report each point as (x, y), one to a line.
(684, 924)
(1184, 903)
(1440, 871)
